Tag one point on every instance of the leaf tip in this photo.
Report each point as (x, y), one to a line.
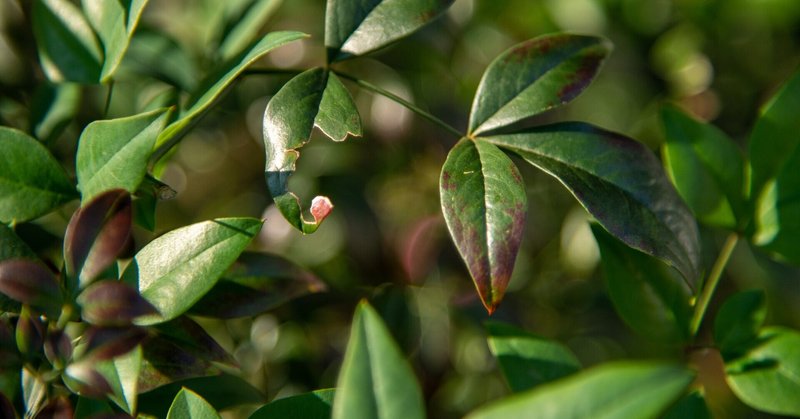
(321, 207)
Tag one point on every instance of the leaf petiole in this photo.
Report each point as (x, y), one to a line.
(711, 283)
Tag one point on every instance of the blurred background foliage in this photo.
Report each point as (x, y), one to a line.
(386, 239)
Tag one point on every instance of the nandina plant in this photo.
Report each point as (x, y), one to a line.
(107, 326)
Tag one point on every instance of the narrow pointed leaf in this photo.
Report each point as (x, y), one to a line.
(189, 405)
(122, 375)
(706, 167)
(34, 391)
(97, 234)
(29, 332)
(534, 76)
(646, 293)
(243, 26)
(32, 183)
(613, 390)
(767, 377)
(358, 27)
(114, 23)
(621, 183)
(775, 180)
(219, 80)
(104, 343)
(314, 405)
(220, 391)
(112, 303)
(84, 379)
(68, 48)
(375, 379)
(175, 270)
(53, 107)
(315, 97)
(527, 360)
(484, 205)
(738, 321)
(30, 283)
(113, 154)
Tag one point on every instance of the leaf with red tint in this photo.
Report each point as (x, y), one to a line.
(112, 303)
(104, 343)
(58, 408)
(485, 207)
(57, 347)
(97, 234)
(30, 283)
(84, 379)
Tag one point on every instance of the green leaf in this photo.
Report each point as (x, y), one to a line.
(113, 153)
(614, 390)
(358, 27)
(219, 80)
(775, 180)
(32, 183)
(68, 48)
(314, 405)
(706, 167)
(691, 406)
(620, 182)
(527, 360)
(221, 391)
(188, 405)
(645, 292)
(114, 23)
(375, 379)
(534, 76)
(175, 270)
(256, 283)
(767, 377)
(157, 55)
(244, 24)
(484, 205)
(315, 97)
(738, 321)
(53, 107)
(122, 373)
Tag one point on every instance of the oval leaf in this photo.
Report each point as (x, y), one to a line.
(375, 380)
(615, 390)
(767, 377)
(645, 292)
(775, 180)
(113, 154)
(358, 27)
(314, 405)
(104, 343)
(114, 22)
(706, 167)
(96, 235)
(620, 182)
(527, 360)
(738, 321)
(68, 48)
(315, 97)
(112, 303)
(32, 182)
(30, 283)
(534, 76)
(175, 270)
(484, 205)
(189, 405)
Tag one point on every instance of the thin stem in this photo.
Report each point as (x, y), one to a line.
(270, 71)
(425, 114)
(711, 283)
(108, 98)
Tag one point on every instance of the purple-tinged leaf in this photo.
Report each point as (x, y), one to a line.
(30, 283)
(57, 347)
(112, 303)
(97, 234)
(103, 343)
(485, 207)
(620, 182)
(6, 408)
(534, 76)
(57, 408)
(84, 379)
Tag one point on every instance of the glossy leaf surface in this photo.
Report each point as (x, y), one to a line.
(113, 154)
(68, 48)
(112, 303)
(114, 23)
(646, 293)
(220, 391)
(189, 405)
(96, 235)
(767, 377)
(375, 379)
(620, 182)
(53, 107)
(175, 270)
(313, 405)
(314, 98)
(534, 76)
(775, 180)
(614, 390)
(527, 360)
(122, 374)
(30, 283)
(219, 80)
(255, 283)
(738, 321)
(32, 182)
(243, 26)
(359, 27)
(706, 167)
(484, 205)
